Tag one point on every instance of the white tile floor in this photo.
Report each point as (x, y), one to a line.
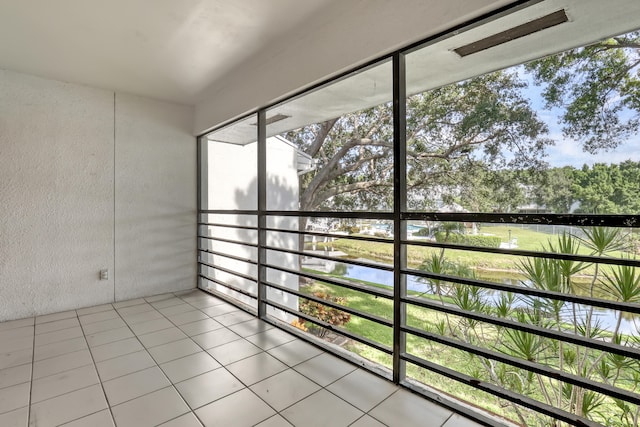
(183, 360)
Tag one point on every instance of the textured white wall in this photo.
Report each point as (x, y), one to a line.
(155, 206)
(56, 193)
(58, 198)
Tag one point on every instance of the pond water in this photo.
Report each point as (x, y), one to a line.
(389, 227)
(607, 318)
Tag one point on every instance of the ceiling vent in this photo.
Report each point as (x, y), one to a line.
(530, 27)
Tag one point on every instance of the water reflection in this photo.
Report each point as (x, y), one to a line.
(606, 319)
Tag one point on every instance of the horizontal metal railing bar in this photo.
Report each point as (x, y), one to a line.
(333, 235)
(226, 285)
(522, 252)
(328, 214)
(574, 220)
(484, 249)
(529, 366)
(328, 258)
(367, 290)
(362, 314)
(226, 270)
(578, 220)
(309, 214)
(229, 211)
(498, 391)
(523, 290)
(237, 242)
(237, 258)
(606, 347)
(380, 347)
(239, 227)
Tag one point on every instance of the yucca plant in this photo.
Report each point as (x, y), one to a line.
(603, 240)
(566, 244)
(623, 283)
(524, 345)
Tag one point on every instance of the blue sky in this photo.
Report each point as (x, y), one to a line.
(568, 152)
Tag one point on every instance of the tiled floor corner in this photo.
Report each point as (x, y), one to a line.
(187, 360)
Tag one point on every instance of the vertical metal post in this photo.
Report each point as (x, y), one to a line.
(399, 206)
(199, 186)
(262, 207)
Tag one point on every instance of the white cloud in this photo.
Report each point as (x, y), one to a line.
(567, 152)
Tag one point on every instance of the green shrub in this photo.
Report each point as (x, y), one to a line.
(423, 232)
(354, 230)
(466, 239)
(324, 313)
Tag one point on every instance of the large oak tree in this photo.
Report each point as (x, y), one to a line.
(596, 88)
(465, 139)
(455, 134)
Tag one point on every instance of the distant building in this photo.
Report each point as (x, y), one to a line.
(231, 186)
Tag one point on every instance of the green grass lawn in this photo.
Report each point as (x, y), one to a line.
(428, 320)
(416, 317)
(481, 261)
(487, 266)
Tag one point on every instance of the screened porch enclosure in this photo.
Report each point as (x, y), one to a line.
(439, 217)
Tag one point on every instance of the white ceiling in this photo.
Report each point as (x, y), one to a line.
(437, 64)
(165, 49)
(184, 50)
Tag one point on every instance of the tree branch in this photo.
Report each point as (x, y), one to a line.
(351, 188)
(448, 153)
(323, 176)
(325, 128)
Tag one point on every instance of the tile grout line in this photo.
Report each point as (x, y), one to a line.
(203, 349)
(171, 385)
(191, 410)
(321, 386)
(292, 368)
(317, 391)
(361, 417)
(222, 366)
(111, 358)
(206, 351)
(178, 416)
(226, 327)
(95, 367)
(380, 403)
(65, 370)
(66, 393)
(266, 351)
(57, 355)
(135, 336)
(447, 420)
(100, 379)
(33, 355)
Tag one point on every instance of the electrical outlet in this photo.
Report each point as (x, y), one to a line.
(104, 274)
